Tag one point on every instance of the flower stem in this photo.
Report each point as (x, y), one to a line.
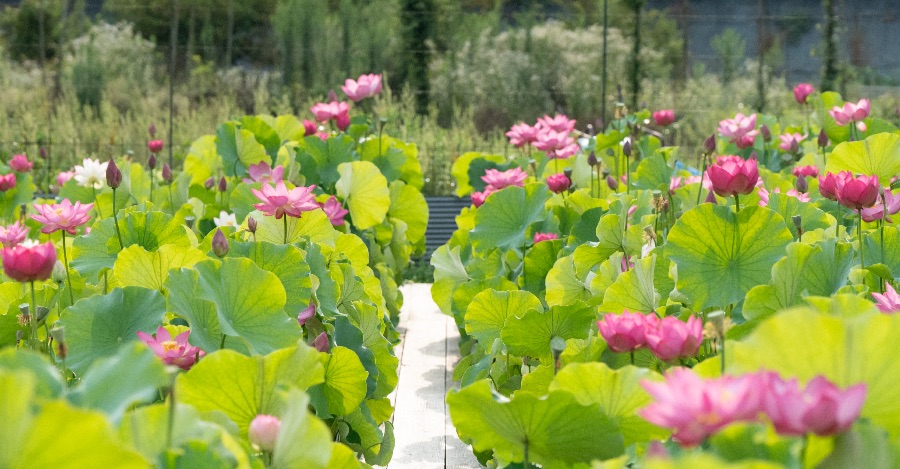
(702, 175)
(96, 205)
(32, 316)
(862, 261)
(632, 358)
(284, 217)
(222, 344)
(66, 261)
(171, 423)
(116, 221)
(151, 186)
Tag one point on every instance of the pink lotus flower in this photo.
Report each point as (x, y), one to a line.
(13, 234)
(64, 176)
(802, 92)
(664, 117)
(790, 141)
(538, 237)
(673, 338)
(889, 302)
(549, 140)
(557, 123)
(501, 179)
(764, 195)
(559, 183)
(522, 134)
(7, 182)
(697, 408)
(307, 313)
(20, 163)
(262, 172)
(829, 183)
(263, 432)
(335, 211)
(62, 216)
(806, 171)
(175, 351)
(29, 261)
(829, 410)
(850, 112)
(321, 343)
(858, 193)
(478, 198)
(362, 88)
(309, 127)
(740, 130)
(279, 201)
(565, 152)
(733, 175)
(324, 112)
(626, 332)
(155, 146)
(342, 121)
(877, 212)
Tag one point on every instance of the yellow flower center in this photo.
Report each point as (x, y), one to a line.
(169, 345)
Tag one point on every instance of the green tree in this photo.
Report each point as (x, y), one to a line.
(417, 19)
(730, 47)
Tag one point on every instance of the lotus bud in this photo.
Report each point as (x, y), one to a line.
(321, 343)
(861, 126)
(711, 198)
(610, 152)
(113, 174)
(263, 432)
(626, 148)
(223, 184)
(766, 133)
(710, 144)
(798, 222)
(42, 152)
(25, 309)
(209, 183)
(42, 312)
(59, 336)
(592, 159)
(612, 183)
(59, 272)
(823, 139)
(802, 185)
(220, 243)
(167, 173)
(568, 172)
(307, 313)
(151, 162)
(251, 224)
(795, 147)
(152, 130)
(717, 320)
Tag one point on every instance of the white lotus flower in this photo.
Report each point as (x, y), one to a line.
(225, 219)
(91, 173)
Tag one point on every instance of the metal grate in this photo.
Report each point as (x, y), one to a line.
(442, 212)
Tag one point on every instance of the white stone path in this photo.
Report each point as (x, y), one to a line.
(428, 351)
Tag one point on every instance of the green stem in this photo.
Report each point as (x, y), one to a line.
(151, 186)
(722, 368)
(66, 261)
(627, 176)
(32, 316)
(632, 358)
(171, 204)
(96, 205)
(284, 217)
(171, 423)
(222, 344)
(862, 261)
(525, 463)
(737, 204)
(116, 221)
(702, 176)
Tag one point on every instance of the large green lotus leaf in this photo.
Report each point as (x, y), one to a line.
(345, 381)
(18, 388)
(653, 173)
(463, 294)
(375, 445)
(113, 384)
(350, 247)
(313, 225)
(849, 349)
(90, 254)
(303, 440)
(530, 334)
(288, 127)
(889, 255)
(448, 264)
(319, 159)
(366, 319)
(865, 445)
(263, 133)
(538, 262)
(239, 149)
(60, 436)
(721, 256)
(811, 217)
(146, 428)
(395, 158)
(408, 204)
(365, 190)
(200, 313)
(288, 263)
(242, 387)
(460, 169)
(878, 155)
(818, 270)
(249, 302)
(503, 221)
(202, 159)
(489, 310)
(97, 326)
(564, 286)
(342, 457)
(614, 236)
(618, 392)
(633, 290)
(556, 431)
(325, 289)
(135, 266)
(48, 381)
(836, 133)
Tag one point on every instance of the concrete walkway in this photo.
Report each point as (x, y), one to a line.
(425, 437)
